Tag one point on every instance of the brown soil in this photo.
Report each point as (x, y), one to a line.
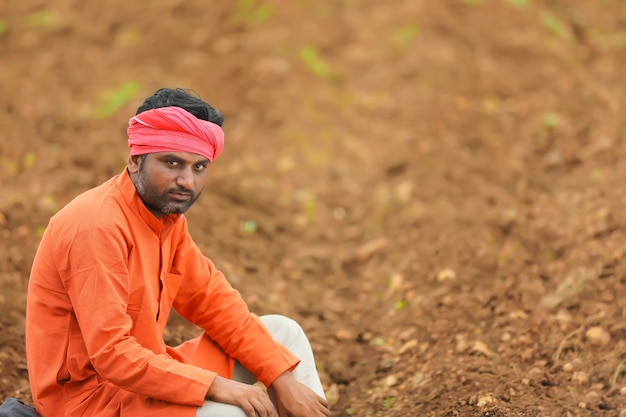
(434, 189)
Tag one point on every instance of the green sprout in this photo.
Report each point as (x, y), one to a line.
(248, 226)
(310, 56)
(378, 341)
(551, 121)
(116, 99)
(252, 11)
(388, 402)
(518, 3)
(554, 25)
(42, 19)
(596, 174)
(29, 160)
(405, 35)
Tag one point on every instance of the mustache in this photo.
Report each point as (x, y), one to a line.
(181, 190)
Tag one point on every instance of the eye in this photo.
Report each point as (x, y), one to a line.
(171, 162)
(199, 167)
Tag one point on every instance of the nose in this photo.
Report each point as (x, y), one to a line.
(185, 179)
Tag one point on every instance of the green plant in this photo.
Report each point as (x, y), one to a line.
(41, 19)
(29, 160)
(518, 3)
(405, 35)
(596, 174)
(388, 402)
(113, 100)
(253, 11)
(550, 121)
(248, 226)
(554, 25)
(310, 56)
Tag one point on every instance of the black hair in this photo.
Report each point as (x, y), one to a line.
(186, 99)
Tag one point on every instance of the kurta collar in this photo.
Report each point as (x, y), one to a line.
(131, 198)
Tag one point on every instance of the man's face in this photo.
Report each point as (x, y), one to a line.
(168, 182)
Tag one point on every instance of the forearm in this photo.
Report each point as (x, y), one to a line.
(160, 377)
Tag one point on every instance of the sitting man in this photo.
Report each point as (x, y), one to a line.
(114, 262)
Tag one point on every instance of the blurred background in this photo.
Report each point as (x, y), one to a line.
(434, 189)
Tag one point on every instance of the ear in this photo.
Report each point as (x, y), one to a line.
(133, 163)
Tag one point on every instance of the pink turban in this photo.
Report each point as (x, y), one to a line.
(174, 129)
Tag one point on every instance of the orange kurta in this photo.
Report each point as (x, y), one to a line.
(104, 280)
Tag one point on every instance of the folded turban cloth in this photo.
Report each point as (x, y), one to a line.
(174, 129)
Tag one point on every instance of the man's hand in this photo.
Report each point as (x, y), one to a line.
(252, 400)
(294, 399)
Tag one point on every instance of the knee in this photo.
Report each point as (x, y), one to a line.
(215, 409)
(284, 329)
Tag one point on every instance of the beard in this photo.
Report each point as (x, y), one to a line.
(164, 203)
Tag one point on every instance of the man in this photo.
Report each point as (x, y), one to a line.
(115, 261)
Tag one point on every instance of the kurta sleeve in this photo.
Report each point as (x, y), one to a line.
(209, 301)
(95, 272)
